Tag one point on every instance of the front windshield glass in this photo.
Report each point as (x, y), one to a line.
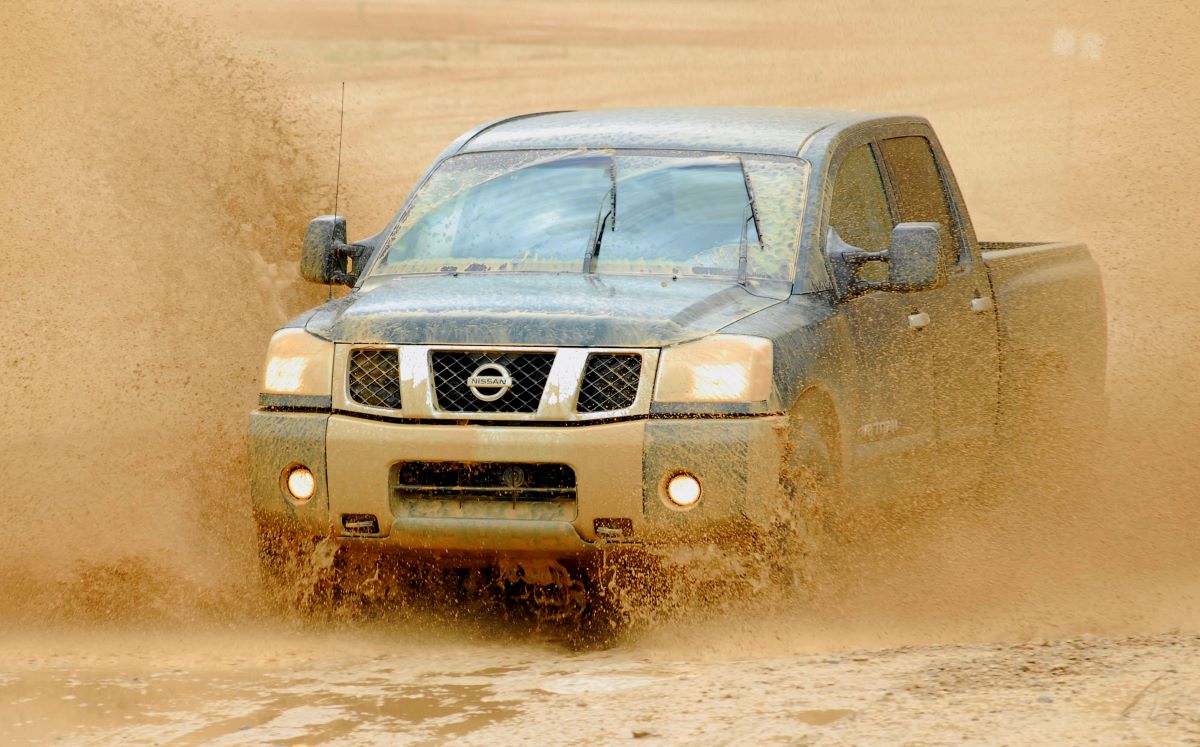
(518, 211)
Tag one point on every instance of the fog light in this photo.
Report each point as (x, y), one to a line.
(683, 490)
(301, 483)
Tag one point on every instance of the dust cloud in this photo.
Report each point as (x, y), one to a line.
(159, 175)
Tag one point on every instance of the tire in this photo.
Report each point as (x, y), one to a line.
(809, 486)
(602, 621)
(297, 570)
(277, 549)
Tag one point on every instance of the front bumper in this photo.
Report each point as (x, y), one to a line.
(620, 471)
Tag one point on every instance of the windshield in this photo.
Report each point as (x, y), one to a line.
(547, 210)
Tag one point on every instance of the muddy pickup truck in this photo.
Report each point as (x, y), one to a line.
(596, 332)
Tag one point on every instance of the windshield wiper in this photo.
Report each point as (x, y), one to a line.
(602, 218)
(744, 245)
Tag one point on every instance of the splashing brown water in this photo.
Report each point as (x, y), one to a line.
(160, 174)
(155, 184)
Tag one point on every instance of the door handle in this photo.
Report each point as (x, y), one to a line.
(981, 304)
(919, 320)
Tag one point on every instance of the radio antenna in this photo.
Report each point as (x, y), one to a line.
(337, 182)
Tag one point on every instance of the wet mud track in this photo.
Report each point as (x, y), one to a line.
(365, 686)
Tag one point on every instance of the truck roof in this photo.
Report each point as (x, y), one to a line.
(776, 131)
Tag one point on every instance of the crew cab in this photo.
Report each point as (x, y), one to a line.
(604, 331)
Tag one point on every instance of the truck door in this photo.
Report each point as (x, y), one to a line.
(960, 337)
(890, 431)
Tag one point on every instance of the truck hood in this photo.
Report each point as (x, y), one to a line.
(536, 309)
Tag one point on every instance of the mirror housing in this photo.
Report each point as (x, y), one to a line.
(916, 260)
(325, 257)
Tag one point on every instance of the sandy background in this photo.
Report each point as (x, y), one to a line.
(161, 161)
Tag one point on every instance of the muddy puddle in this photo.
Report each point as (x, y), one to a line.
(271, 686)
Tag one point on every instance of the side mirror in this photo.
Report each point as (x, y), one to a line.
(325, 257)
(916, 260)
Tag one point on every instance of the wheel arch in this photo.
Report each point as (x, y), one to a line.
(816, 404)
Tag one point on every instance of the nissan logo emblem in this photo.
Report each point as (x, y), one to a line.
(490, 382)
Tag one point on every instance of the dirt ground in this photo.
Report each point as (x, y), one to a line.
(395, 686)
(162, 159)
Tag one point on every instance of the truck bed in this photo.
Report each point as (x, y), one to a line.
(1051, 316)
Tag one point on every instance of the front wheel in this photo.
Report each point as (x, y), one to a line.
(296, 568)
(808, 486)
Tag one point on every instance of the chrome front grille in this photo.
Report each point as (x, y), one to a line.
(453, 369)
(517, 384)
(374, 377)
(610, 382)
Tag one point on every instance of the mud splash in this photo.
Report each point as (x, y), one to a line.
(159, 177)
(155, 185)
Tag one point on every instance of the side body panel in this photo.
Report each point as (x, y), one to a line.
(961, 338)
(924, 400)
(813, 355)
(277, 440)
(1050, 299)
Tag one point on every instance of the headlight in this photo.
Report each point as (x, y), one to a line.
(720, 368)
(298, 363)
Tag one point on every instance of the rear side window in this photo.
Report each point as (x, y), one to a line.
(919, 191)
(859, 212)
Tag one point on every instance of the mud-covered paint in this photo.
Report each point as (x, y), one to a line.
(737, 462)
(276, 441)
(606, 459)
(1028, 279)
(807, 339)
(774, 131)
(486, 536)
(571, 309)
(620, 468)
